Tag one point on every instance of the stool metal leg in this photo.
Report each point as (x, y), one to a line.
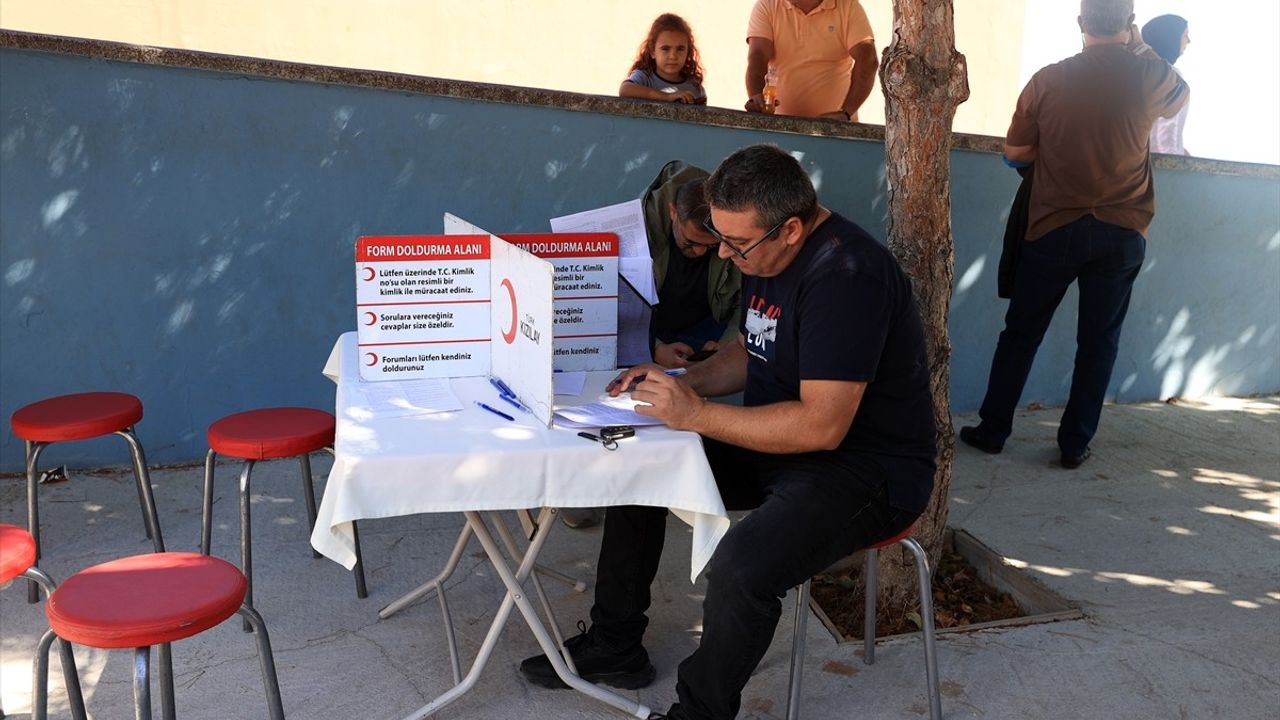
(168, 706)
(246, 535)
(797, 650)
(145, 495)
(206, 509)
(309, 494)
(33, 507)
(926, 617)
(142, 684)
(70, 678)
(265, 660)
(40, 678)
(869, 622)
(362, 591)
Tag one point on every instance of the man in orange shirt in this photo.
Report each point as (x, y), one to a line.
(824, 54)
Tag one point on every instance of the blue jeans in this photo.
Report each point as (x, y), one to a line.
(1104, 260)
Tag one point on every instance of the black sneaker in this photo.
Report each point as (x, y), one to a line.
(629, 670)
(1071, 462)
(973, 437)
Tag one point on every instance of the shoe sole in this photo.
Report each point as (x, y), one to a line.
(621, 680)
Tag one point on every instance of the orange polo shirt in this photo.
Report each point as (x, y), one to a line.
(811, 51)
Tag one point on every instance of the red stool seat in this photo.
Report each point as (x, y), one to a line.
(17, 552)
(272, 433)
(893, 540)
(76, 417)
(145, 600)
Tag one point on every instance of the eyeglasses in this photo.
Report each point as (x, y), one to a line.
(706, 225)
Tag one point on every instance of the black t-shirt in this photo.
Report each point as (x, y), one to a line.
(682, 299)
(843, 310)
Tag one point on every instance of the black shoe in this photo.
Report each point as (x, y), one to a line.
(973, 437)
(629, 670)
(1071, 462)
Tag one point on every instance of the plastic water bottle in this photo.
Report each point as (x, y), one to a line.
(770, 93)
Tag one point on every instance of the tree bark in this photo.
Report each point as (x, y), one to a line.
(924, 79)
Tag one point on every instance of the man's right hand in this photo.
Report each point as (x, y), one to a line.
(631, 375)
(756, 103)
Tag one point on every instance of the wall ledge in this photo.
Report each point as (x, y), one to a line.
(575, 102)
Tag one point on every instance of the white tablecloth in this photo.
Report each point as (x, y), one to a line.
(472, 460)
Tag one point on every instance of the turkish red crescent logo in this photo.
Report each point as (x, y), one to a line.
(373, 359)
(370, 275)
(372, 318)
(510, 335)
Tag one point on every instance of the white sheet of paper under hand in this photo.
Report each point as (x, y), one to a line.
(607, 410)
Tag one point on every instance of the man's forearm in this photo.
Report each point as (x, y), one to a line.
(724, 373)
(862, 79)
(779, 428)
(757, 66)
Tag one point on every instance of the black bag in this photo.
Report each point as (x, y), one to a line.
(1015, 233)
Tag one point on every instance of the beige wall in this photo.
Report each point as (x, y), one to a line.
(577, 45)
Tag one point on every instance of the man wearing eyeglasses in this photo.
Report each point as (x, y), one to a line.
(698, 291)
(832, 449)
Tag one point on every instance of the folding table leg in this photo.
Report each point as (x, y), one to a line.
(434, 583)
(515, 597)
(505, 535)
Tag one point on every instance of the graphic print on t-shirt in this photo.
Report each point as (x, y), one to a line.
(761, 327)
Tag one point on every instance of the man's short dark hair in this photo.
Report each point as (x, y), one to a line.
(765, 179)
(691, 202)
(1105, 17)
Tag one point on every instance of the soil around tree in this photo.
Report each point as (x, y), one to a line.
(960, 598)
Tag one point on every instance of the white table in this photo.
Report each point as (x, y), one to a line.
(470, 461)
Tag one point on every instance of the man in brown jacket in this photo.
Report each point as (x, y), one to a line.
(1084, 123)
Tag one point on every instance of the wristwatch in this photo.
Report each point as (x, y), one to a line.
(847, 116)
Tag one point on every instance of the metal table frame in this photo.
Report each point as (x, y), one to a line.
(515, 597)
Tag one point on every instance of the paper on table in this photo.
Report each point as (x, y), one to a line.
(569, 383)
(627, 221)
(607, 411)
(406, 397)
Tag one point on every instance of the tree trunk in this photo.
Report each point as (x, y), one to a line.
(924, 79)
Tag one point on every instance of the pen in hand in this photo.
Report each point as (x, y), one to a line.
(495, 411)
(671, 372)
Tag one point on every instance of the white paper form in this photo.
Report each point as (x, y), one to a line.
(405, 397)
(608, 410)
(627, 221)
(569, 383)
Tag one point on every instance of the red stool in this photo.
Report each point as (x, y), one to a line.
(17, 559)
(83, 416)
(268, 434)
(152, 599)
(869, 626)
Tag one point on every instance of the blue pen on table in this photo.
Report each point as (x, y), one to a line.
(495, 411)
(514, 402)
(501, 387)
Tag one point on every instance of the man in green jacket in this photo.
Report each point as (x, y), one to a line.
(698, 292)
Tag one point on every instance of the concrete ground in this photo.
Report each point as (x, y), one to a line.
(1169, 539)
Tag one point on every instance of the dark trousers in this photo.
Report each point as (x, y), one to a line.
(807, 513)
(1103, 259)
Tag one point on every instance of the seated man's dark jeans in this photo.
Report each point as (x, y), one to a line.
(1103, 260)
(807, 513)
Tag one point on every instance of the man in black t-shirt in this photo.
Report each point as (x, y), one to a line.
(832, 449)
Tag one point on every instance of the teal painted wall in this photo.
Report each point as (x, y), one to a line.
(187, 236)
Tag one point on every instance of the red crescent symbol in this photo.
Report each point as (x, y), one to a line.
(373, 359)
(510, 335)
(372, 318)
(371, 273)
